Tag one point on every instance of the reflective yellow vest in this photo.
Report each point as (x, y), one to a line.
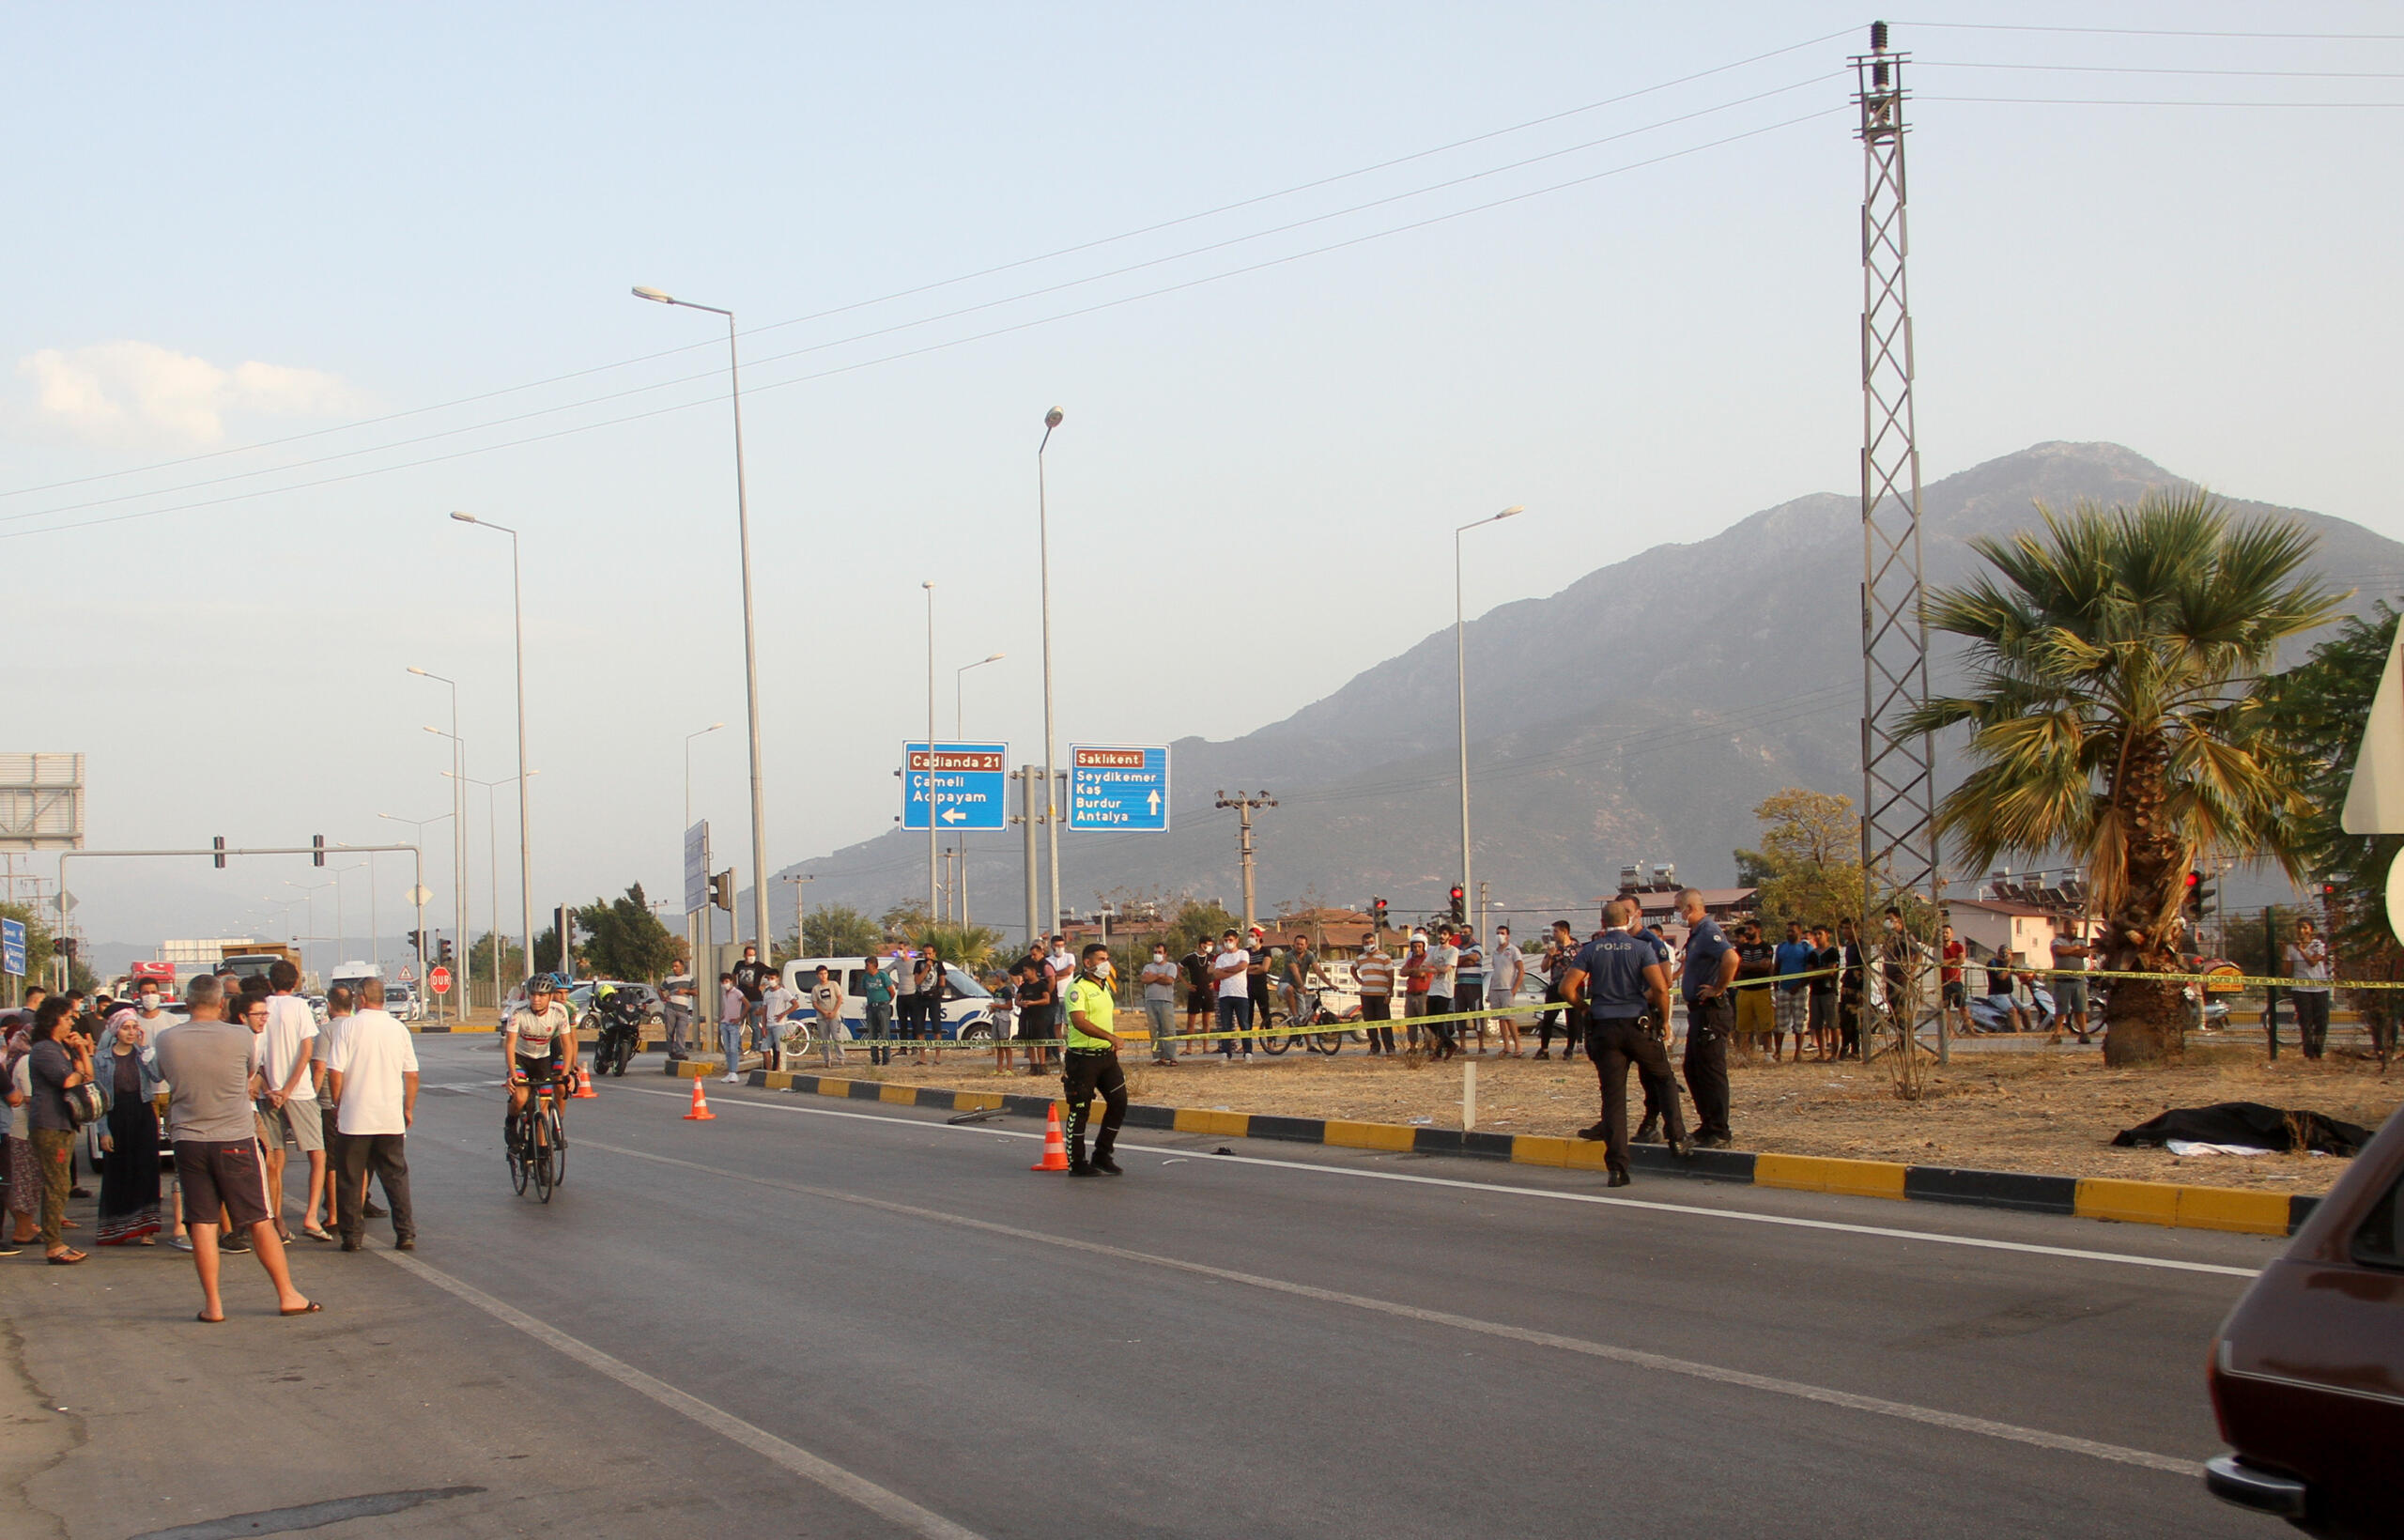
(1094, 1001)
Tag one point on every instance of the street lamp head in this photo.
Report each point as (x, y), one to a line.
(1051, 418)
(996, 657)
(929, 584)
(654, 296)
(463, 518)
(1512, 510)
(420, 672)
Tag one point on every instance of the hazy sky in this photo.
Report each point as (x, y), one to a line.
(401, 240)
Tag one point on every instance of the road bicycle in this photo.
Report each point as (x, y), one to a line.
(1313, 1013)
(536, 1141)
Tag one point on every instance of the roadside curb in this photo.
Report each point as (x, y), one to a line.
(2176, 1205)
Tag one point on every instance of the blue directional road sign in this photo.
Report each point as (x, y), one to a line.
(12, 947)
(970, 785)
(1119, 788)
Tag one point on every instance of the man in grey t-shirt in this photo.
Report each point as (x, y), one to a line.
(207, 1062)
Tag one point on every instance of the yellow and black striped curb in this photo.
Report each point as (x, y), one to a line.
(2172, 1204)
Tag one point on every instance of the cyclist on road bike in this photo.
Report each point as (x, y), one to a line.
(540, 1044)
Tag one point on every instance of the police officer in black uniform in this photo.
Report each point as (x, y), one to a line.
(1615, 979)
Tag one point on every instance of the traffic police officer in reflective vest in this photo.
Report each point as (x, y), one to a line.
(1616, 977)
(1092, 1064)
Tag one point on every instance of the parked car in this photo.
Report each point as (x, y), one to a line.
(2307, 1373)
(968, 1010)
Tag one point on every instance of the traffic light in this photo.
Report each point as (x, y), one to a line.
(722, 890)
(2199, 895)
(1460, 904)
(66, 947)
(444, 946)
(1378, 912)
(417, 942)
(219, 843)
(316, 850)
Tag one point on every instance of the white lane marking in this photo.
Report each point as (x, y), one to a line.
(1692, 1209)
(1635, 1358)
(890, 1505)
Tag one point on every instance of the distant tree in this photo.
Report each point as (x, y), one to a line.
(624, 938)
(513, 959)
(2319, 708)
(1198, 922)
(547, 951)
(1808, 867)
(970, 945)
(2112, 663)
(838, 930)
(898, 919)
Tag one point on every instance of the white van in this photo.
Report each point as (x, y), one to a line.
(968, 1010)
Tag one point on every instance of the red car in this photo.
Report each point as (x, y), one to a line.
(2307, 1374)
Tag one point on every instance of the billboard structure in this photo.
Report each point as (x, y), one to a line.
(41, 802)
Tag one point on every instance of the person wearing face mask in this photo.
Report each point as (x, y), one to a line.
(1159, 979)
(1089, 1063)
(1235, 996)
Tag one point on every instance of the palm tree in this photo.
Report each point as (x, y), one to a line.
(2112, 715)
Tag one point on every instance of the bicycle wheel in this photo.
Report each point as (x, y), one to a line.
(516, 1146)
(559, 1147)
(544, 1179)
(1330, 1043)
(1275, 1045)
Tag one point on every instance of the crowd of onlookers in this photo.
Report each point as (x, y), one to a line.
(187, 1111)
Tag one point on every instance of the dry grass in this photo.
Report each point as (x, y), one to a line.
(2005, 1111)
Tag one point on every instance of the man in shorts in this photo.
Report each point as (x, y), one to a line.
(207, 1062)
(290, 1110)
(1756, 971)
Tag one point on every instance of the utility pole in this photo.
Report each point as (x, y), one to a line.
(1243, 806)
(1899, 852)
(1027, 815)
(800, 916)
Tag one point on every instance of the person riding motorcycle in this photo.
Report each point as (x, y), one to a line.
(618, 1013)
(539, 1043)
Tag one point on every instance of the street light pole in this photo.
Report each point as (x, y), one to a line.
(1051, 773)
(959, 733)
(750, 644)
(524, 832)
(419, 824)
(929, 587)
(709, 916)
(1460, 684)
(492, 852)
(458, 830)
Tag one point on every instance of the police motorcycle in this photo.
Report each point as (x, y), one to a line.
(618, 1016)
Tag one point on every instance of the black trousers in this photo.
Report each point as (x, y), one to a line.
(1083, 1071)
(383, 1154)
(1709, 1026)
(2311, 1019)
(1378, 1009)
(1553, 1017)
(1614, 1045)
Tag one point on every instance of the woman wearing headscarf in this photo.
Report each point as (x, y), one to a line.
(25, 1172)
(127, 1070)
(60, 1061)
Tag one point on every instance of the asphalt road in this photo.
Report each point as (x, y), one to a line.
(827, 1318)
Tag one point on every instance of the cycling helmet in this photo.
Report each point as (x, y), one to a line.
(547, 983)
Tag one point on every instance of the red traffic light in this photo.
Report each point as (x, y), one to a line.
(2192, 879)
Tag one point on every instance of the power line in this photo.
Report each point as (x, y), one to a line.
(962, 278)
(943, 346)
(713, 375)
(2157, 32)
(2149, 102)
(2158, 69)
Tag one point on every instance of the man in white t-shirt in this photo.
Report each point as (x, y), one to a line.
(775, 1004)
(373, 1076)
(285, 1056)
(1231, 971)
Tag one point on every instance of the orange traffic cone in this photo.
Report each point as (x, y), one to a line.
(700, 1113)
(584, 1091)
(1055, 1147)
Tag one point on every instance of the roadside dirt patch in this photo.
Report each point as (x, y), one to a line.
(2037, 1111)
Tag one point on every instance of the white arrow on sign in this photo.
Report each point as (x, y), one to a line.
(952, 815)
(1154, 800)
